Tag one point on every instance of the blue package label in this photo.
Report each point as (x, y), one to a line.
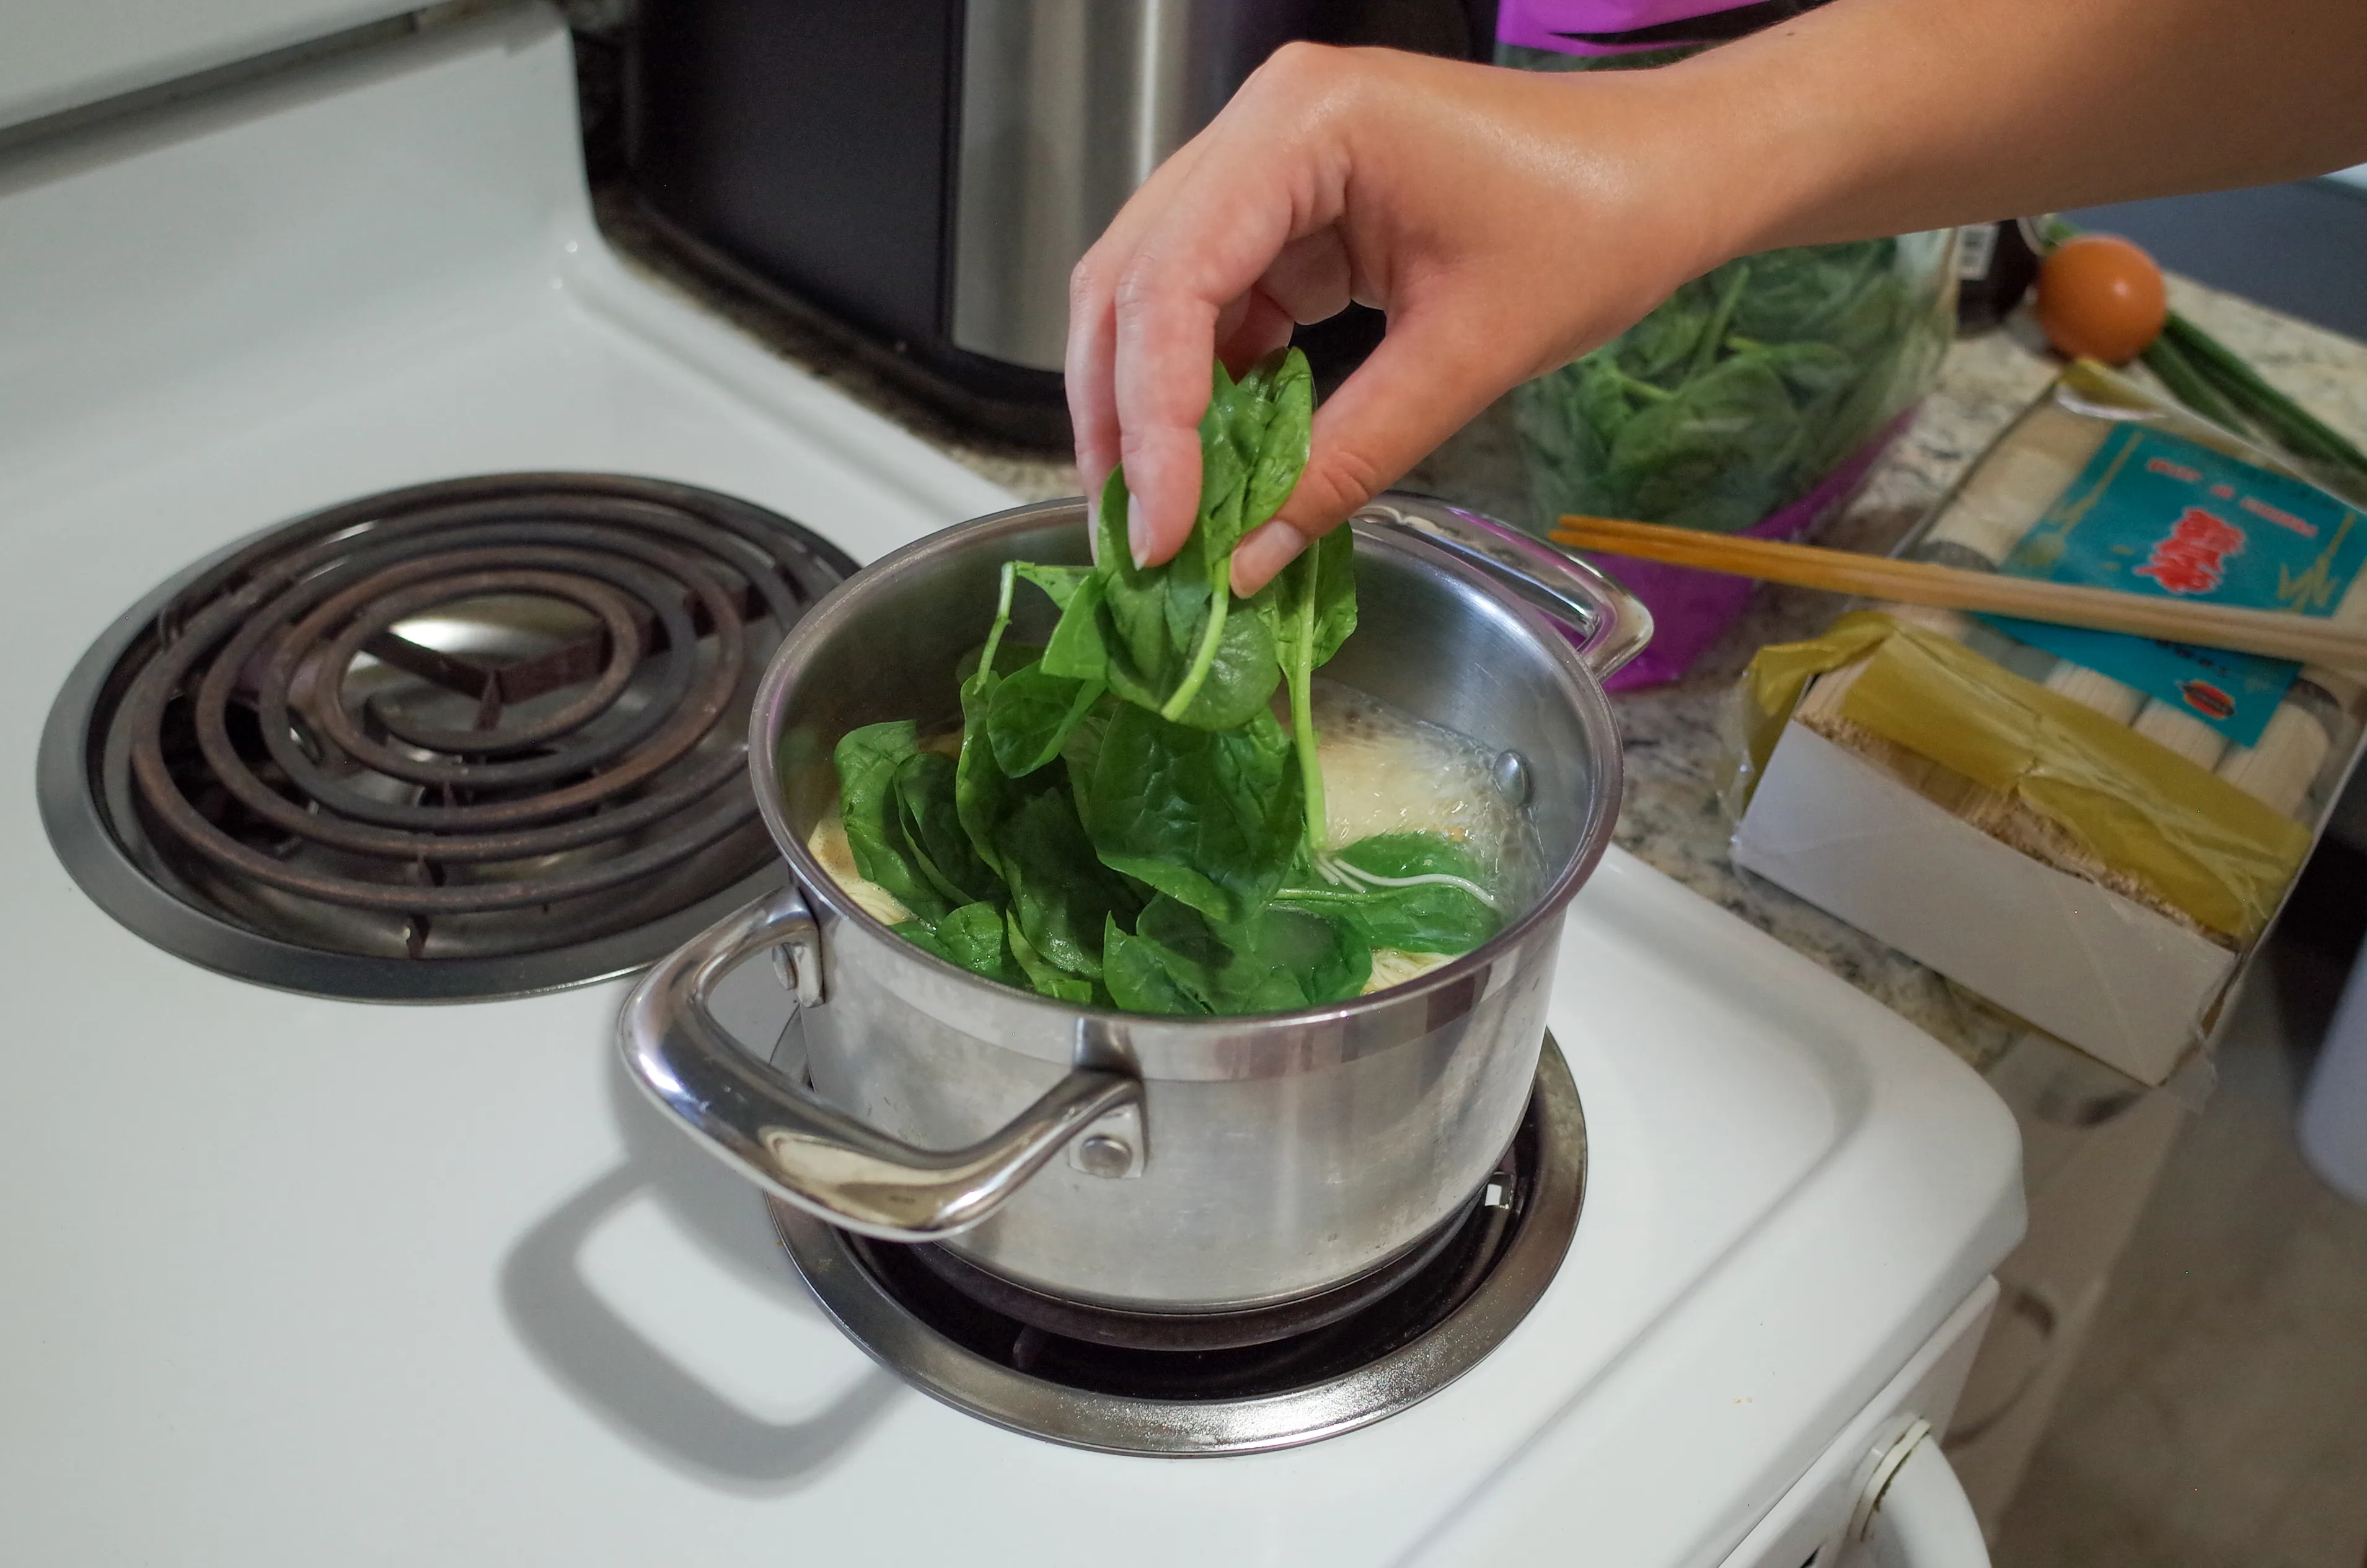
(2157, 513)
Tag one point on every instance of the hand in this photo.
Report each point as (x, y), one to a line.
(1509, 221)
(1506, 222)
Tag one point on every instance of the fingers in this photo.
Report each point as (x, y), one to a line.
(1092, 323)
(1262, 554)
(1250, 328)
(1166, 315)
(1307, 282)
(1310, 278)
(1261, 176)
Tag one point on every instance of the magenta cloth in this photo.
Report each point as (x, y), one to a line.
(1545, 24)
(1689, 608)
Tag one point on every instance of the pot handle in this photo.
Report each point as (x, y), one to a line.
(794, 1147)
(1609, 624)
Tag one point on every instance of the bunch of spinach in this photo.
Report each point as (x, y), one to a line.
(1126, 822)
(1741, 390)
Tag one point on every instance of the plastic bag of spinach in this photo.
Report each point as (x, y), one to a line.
(1126, 822)
(1734, 397)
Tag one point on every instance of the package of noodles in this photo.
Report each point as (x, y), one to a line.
(2090, 829)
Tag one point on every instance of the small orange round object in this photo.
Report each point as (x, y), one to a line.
(2101, 297)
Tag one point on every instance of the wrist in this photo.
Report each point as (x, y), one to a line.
(1719, 146)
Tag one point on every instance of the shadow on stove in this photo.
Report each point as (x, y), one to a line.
(630, 1372)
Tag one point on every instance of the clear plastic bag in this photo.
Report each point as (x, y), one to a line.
(1733, 399)
(1751, 401)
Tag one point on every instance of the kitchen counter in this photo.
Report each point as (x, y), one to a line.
(1671, 818)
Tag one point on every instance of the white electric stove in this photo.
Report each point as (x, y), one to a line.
(294, 1281)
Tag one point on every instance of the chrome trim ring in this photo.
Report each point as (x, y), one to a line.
(903, 1342)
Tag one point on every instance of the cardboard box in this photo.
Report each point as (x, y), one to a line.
(2123, 983)
(2018, 804)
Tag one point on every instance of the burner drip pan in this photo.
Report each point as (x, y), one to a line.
(1104, 1384)
(478, 737)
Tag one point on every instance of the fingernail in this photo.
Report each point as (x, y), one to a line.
(1137, 533)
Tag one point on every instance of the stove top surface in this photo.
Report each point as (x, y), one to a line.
(293, 1281)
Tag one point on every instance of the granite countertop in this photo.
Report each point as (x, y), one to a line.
(1671, 818)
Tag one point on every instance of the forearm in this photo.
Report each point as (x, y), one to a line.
(1880, 116)
(1508, 221)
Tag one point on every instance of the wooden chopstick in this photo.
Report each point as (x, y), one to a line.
(2278, 634)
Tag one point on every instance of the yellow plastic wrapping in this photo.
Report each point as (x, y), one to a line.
(2194, 840)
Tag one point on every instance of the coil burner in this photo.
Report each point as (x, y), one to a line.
(475, 739)
(1203, 1383)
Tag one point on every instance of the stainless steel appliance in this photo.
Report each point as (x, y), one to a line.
(926, 172)
(1220, 1165)
(287, 1274)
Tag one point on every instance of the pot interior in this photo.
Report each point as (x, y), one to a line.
(1433, 640)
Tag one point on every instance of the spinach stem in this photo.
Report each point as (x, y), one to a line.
(1706, 354)
(1302, 714)
(1356, 884)
(1203, 658)
(1002, 618)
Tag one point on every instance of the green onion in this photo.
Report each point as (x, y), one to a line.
(2287, 422)
(2189, 386)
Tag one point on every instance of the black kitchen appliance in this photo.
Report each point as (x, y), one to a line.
(921, 175)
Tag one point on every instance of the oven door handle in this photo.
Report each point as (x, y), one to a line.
(777, 1133)
(1917, 1515)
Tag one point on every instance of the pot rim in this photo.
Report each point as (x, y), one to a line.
(827, 616)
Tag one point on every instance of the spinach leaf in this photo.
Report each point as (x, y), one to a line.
(1814, 292)
(1283, 958)
(934, 841)
(1060, 582)
(1669, 337)
(1812, 372)
(1212, 818)
(1419, 916)
(1714, 456)
(1315, 605)
(868, 760)
(1047, 979)
(1030, 715)
(1240, 676)
(1137, 978)
(1677, 420)
(1060, 891)
(1141, 656)
(920, 934)
(1166, 638)
(1313, 610)
(982, 789)
(1080, 753)
(971, 936)
(1254, 443)
(1079, 649)
(1289, 391)
(1143, 874)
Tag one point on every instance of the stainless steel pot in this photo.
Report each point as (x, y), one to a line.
(1212, 1165)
